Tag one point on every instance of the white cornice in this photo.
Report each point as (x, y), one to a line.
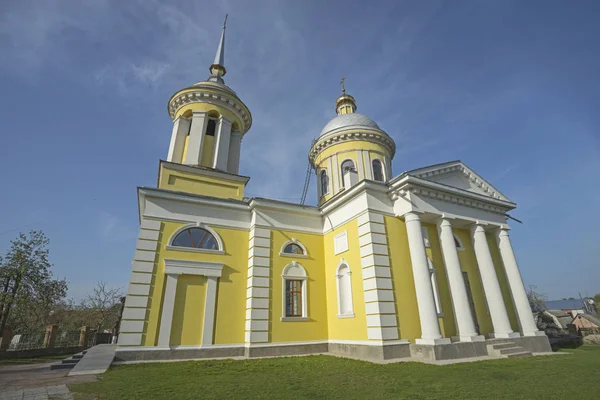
(206, 171)
(441, 169)
(364, 135)
(187, 267)
(424, 187)
(207, 95)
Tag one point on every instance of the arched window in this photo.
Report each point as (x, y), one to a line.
(344, 291)
(294, 293)
(324, 183)
(293, 248)
(347, 165)
(198, 238)
(377, 170)
(211, 126)
(458, 243)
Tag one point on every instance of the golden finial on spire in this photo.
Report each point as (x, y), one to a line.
(342, 83)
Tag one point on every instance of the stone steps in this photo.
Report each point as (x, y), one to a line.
(69, 362)
(507, 350)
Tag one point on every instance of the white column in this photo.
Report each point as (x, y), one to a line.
(368, 166)
(194, 150)
(235, 146)
(209, 310)
(462, 309)
(223, 135)
(493, 294)
(430, 327)
(526, 321)
(166, 318)
(359, 165)
(181, 127)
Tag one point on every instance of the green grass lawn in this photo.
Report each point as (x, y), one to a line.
(327, 377)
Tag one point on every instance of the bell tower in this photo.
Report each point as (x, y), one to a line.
(209, 121)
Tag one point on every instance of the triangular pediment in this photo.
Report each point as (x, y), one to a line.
(457, 175)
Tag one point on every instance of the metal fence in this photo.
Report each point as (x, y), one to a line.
(27, 341)
(67, 338)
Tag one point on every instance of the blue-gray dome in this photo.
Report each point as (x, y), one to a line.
(349, 120)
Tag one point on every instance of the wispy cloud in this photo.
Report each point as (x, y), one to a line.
(112, 228)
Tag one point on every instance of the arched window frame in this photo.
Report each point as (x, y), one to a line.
(323, 174)
(345, 161)
(220, 245)
(458, 243)
(382, 165)
(296, 272)
(338, 277)
(434, 285)
(293, 255)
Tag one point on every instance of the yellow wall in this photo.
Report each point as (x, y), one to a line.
(188, 313)
(189, 304)
(434, 252)
(207, 151)
(316, 327)
(468, 263)
(503, 280)
(199, 183)
(345, 328)
(404, 284)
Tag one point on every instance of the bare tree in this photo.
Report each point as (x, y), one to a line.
(104, 304)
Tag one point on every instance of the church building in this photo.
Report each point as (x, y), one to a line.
(384, 267)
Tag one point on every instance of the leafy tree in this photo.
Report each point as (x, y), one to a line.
(27, 290)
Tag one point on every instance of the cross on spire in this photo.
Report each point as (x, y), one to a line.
(342, 83)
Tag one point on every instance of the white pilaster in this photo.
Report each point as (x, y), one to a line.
(235, 146)
(140, 284)
(181, 127)
(258, 286)
(222, 139)
(368, 166)
(335, 174)
(462, 310)
(377, 278)
(430, 327)
(491, 286)
(198, 128)
(333, 183)
(166, 318)
(359, 165)
(526, 321)
(209, 310)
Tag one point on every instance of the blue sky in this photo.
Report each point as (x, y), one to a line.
(509, 87)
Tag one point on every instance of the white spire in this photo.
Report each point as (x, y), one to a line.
(217, 69)
(220, 56)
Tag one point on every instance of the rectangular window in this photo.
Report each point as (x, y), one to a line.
(293, 298)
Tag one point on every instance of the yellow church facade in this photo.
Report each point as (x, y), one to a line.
(416, 265)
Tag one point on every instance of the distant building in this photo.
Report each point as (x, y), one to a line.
(586, 321)
(572, 306)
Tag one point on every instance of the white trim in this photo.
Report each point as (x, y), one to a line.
(294, 319)
(209, 310)
(340, 243)
(194, 250)
(296, 242)
(301, 277)
(187, 267)
(349, 314)
(168, 307)
(220, 250)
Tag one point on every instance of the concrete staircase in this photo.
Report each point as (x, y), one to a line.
(69, 362)
(507, 350)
